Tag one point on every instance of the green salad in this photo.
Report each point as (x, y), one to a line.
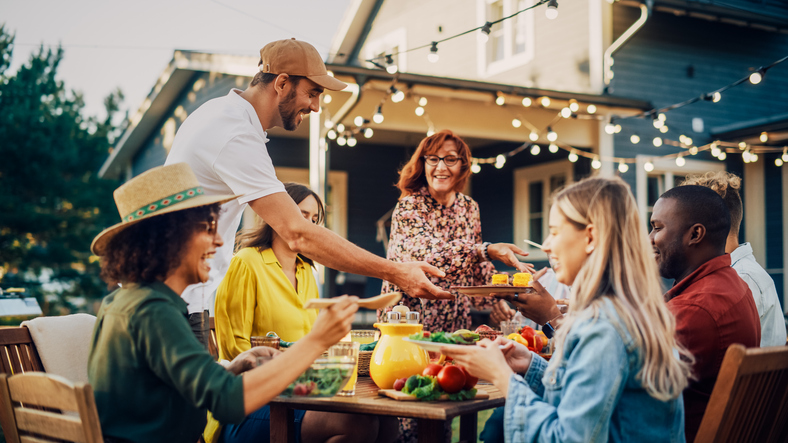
(462, 338)
(426, 388)
(323, 379)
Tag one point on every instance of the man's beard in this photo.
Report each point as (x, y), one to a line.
(288, 113)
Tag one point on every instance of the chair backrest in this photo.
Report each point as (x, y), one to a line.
(39, 407)
(749, 402)
(213, 347)
(18, 354)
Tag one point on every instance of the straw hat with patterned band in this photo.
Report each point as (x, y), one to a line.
(158, 191)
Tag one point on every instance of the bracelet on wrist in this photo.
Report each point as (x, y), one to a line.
(485, 256)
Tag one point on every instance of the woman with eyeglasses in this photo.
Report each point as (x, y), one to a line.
(264, 290)
(151, 377)
(435, 222)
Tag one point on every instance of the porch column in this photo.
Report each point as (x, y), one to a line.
(755, 209)
(605, 150)
(785, 238)
(318, 165)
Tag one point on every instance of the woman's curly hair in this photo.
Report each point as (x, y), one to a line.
(147, 251)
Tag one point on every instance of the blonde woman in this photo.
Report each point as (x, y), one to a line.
(616, 374)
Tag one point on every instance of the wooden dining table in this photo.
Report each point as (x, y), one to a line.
(432, 416)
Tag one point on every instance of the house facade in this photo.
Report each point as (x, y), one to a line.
(505, 96)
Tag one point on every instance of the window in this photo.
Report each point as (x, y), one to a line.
(533, 186)
(511, 42)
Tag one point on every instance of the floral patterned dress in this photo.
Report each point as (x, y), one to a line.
(446, 237)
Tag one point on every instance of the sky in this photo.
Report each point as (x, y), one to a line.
(113, 44)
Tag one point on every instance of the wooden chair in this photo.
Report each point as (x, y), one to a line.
(749, 402)
(213, 347)
(39, 407)
(17, 352)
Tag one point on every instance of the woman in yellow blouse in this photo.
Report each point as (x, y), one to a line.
(265, 290)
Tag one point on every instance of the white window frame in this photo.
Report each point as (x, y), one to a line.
(510, 60)
(398, 39)
(666, 169)
(523, 177)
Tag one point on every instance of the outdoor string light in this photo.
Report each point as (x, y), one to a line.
(433, 56)
(484, 33)
(552, 10)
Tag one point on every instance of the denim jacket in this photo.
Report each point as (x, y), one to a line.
(593, 394)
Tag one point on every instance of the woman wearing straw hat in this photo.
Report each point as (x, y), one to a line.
(152, 379)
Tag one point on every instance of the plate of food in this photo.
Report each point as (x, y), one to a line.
(433, 342)
(501, 284)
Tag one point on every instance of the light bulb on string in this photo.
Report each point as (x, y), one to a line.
(368, 133)
(688, 141)
(742, 146)
(617, 129)
(533, 136)
(680, 161)
(623, 167)
(785, 155)
(663, 129)
(328, 124)
(397, 95)
(657, 141)
(764, 137)
(535, 150)
(648, 166)
(635, 139)
(753, 158)
(358, 121)
(745, 156)
(517, 123)
(723, 155)
(484, 33)
(610, 128)
(566, 112)
(715, 150)
(681, 138)
(419, 111)
(391, 67)
(778, 162)
(423, 101)
(572, 157)
(693, 150)
(661, 117)
(327, 99)
(527, 101)
(552, 10)
(341, 140)
(591, 109)
(573, 106)
(340, 127)
(500, 160)
(553, 148)
(352, 141)
(332, 135)
(595, 163)
(378, 117)
(430, 131)
(658, 123)
(433, 56)
(551, 135)
(475, 168)
(500, 100)
(545, 101)
(756, 77)
(716, 97)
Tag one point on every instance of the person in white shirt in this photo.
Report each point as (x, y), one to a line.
(773, 332)
(224, 142)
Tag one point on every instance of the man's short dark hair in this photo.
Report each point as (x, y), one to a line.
(699, 204)
(264, 78)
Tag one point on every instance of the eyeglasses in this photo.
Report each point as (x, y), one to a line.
(433, 160)
(210, 226)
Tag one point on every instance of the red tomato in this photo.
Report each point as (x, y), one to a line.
(451, 379)
(470, 381)
(432, 369)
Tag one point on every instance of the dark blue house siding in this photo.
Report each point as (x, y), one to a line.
(672, 59)
(774, 221)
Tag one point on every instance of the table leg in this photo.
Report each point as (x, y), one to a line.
(282, 424)
(468, 431)
(431, 431)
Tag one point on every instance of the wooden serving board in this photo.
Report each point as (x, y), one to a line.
(481, 394)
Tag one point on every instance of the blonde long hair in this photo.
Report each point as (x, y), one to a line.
(622, 268)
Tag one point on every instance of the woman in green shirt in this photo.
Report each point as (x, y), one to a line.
(153, 381)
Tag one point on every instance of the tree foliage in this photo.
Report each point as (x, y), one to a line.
(52, 202)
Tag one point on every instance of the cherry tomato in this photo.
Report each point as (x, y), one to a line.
(432, 369)
(470, 381)
(400, 383)
(451, 379)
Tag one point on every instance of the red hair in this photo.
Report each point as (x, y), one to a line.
(412, 176)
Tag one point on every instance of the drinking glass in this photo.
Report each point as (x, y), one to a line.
(347, 349)
(509, 327)
(271, 342)
(363, 336)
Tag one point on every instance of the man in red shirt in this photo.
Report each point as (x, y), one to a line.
(713, 306)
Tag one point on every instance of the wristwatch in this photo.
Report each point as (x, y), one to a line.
(548, 330)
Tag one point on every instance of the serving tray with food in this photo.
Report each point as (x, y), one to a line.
(500, 285)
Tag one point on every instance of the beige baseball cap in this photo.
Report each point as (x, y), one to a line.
(294, 57)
